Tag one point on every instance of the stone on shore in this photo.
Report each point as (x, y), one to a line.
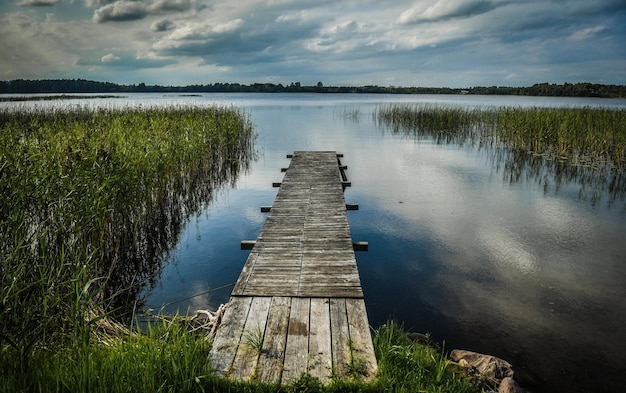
(486, 365)
(508, 385)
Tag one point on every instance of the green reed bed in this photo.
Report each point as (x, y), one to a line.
(584, 136)
(577, 135)
(91, 199)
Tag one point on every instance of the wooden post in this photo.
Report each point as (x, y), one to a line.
(247, 244)
(360, 246)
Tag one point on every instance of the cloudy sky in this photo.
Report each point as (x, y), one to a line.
(454, 43)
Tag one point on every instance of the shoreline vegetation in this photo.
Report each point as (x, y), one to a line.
(91, 202)
(582, 89)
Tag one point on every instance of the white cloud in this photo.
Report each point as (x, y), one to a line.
(444, 9)
(120, 11)
(109, 58)
(584, 34)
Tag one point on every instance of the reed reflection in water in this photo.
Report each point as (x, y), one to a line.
(553, 147)
(139, 261)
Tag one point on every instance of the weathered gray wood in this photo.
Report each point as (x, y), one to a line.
(340, 336)
(270, 366)
(306, 226)
(360, 337)
(247, 356)
(228, 335)
(297, 350)
(320, 361)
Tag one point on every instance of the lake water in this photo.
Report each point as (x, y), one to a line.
(531, 271)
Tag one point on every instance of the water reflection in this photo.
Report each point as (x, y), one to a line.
(598, 179)
(145, 239)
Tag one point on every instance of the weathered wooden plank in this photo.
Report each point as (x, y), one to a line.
(240, 285)
(247, 356)
(270, 366)
(228, 335)
(320, 349)
(297, 350)
(340, 336)
(362, 349)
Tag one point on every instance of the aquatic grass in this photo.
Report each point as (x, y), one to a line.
(92, 199)
(585, 145)
(572, 134)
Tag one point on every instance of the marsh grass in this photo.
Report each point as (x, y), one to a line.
(584, 145)
(574, 134)
(92, 199)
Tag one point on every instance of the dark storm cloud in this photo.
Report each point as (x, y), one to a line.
(37, 3)
(162, 25)
(129, 10)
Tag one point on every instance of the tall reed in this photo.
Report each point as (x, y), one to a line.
(91, 199)
(585, 145)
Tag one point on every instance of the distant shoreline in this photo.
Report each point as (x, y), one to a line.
(54, 97)
(76, 86)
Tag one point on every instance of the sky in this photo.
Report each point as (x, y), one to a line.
(435, 43)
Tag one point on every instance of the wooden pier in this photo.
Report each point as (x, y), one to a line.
(298, 305)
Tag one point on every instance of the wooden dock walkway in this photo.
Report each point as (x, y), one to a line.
(298, 304)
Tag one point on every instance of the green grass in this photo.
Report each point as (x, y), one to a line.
(92, 199)
(168, 357)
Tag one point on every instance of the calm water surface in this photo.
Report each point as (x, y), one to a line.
(526, 270)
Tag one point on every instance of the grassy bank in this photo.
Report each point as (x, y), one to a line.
(170, 358)
(92, 199)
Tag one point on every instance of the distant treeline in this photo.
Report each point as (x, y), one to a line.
(22, 86)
